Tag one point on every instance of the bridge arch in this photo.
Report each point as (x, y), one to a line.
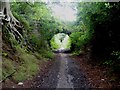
(60, 42)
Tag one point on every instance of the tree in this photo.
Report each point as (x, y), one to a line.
(10, 20)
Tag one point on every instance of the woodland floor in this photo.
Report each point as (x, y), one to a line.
(67, 71)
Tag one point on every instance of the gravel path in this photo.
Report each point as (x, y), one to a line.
(65, 73)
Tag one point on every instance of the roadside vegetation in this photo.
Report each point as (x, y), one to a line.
(29, 44)
(29, 33)
(96, 32)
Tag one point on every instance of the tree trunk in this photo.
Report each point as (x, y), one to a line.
(8, 18)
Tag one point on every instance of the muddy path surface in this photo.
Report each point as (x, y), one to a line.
(64, 73)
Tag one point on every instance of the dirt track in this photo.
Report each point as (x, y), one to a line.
(65, 73)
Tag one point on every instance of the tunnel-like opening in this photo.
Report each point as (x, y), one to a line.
(60, 42)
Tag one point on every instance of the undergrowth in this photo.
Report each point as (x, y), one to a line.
(8, 67)
(28, 67)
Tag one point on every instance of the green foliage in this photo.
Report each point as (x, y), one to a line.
(12, 40)
(38, 55)
(7, 36)
(54, 45)
(8, 67)
(83, 27)
(60, 40)
(97, 26)
(28, 66)
(24, 22)
(68, 45)
(21, 75)
(24, 68)
(79, 41)
(39, 25)
(46, 53)
(36, 42)
(75, 38)
(37, 14)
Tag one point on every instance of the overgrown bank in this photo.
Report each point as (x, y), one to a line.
(97, 32)
(24, 43)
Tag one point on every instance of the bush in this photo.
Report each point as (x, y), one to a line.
(77, 40)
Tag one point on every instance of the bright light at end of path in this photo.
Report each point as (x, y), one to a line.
(65, 13)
